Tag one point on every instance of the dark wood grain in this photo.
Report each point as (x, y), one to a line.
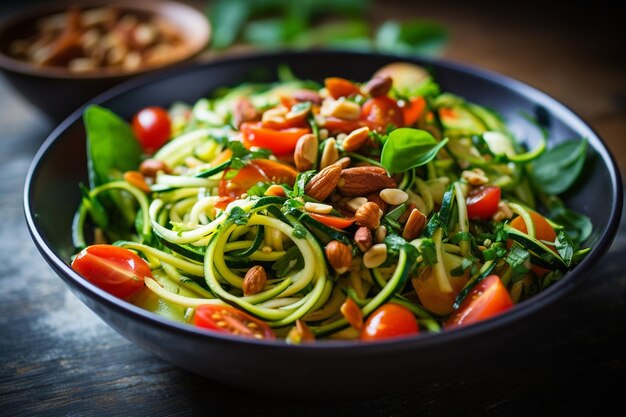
(58, 358)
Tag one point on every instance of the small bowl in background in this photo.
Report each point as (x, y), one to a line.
(56, 90)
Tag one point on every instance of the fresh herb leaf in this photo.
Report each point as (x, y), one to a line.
(554, 171)
(238, 215)
(565, 247)
(292, 259)
(411, 37)
(577, 226)
(302, 180)
(496, 251)
(460, 270)
(408, 148)
(428, 251)
(227, 19)
(112, 148)
(519, 260)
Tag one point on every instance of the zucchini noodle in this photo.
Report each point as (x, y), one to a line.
(264, 209)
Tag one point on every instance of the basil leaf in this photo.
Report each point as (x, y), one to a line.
(415, 36)
(239, 216)
(408, 148)
(112, 148)
(577, 226)
(519, 259)
(227, 19)
(565, 247)
(554, 171)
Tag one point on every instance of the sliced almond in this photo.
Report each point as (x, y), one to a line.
(394, 196)
(376, 256)
(356, 139)
(318, 208)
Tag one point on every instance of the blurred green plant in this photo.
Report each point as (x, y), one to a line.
(310, 23)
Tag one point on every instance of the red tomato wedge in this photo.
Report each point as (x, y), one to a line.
(226, 319)
(257, 170)
(543, 231)
(153, 128)
(116, 270)
(413, 110)
(488, 299)
(340, 87)
(280, 142)
(482, 202)
(333, 221)
(380, 112)
(388, 321)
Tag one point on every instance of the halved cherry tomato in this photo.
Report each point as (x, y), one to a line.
(482, 202)
(340, 87)
(280, 142)
(543, 231)
(226, 319)
(388, 321)
(380, 112)
(333, 221)
(153, 128)
(116, 270)
(413, 110)
(488, 299)
(257, 170)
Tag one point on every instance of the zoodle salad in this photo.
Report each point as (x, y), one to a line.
(352, 210)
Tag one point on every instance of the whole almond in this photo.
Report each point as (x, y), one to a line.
(244, 111)
(305, 154)
(378, 86)
(358, 181)
(254, 281)
(339, 256)
(324, 182)
(356, 139)
(150, 167)
(352, 313)
(368, 215)
(375, 198)
(414, 225)
(363, 238)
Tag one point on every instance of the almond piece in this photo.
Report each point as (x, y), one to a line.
(356, 139)
(368, 215)
(300, 333)
(376, 256)
(330, 154)
(305, 154)
(323, 183)
(378, 86)
(318, 208)
(150, 167)
(358, 181)
(375, 198)
(414, 225)
(363, 239)
(393, 196)
(254, 281)
(244, 111)
(339, 256)
(352, 313)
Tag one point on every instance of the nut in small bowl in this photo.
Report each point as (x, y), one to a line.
(61, 54)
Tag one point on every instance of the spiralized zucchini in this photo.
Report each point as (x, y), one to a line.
(270, 199)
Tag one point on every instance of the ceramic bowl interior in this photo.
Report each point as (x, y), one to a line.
(52, 195)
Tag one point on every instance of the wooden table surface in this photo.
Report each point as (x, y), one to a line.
(58, 358)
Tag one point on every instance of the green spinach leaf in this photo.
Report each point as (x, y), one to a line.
(554, 171)
(408, 148)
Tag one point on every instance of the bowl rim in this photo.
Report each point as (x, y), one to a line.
(519, 311)
(197, 43)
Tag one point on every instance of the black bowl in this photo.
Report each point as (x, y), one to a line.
(333, 368)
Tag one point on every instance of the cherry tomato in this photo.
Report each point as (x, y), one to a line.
(153, 128)
(257, 170)
(333, 221)
(488, 299)
(116, 270)
(543, 231)
(280, 142)
(413, 110)
(340, 87)
(226, 319)
(388, 321)
(482, 202)
(380, 112)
